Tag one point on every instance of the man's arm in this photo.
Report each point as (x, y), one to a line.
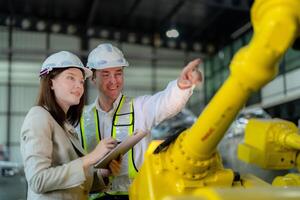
(151, 110)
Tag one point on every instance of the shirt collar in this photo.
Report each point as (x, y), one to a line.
(115, 104)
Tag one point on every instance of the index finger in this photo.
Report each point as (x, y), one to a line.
(192, 65)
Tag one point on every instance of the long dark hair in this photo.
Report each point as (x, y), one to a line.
(46, 99)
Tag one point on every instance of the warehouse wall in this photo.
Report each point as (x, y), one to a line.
(286, 86)
(284, 89)
(20, 61)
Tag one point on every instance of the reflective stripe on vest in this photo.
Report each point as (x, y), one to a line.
(83, 124)
(123, 121)
(125, 124)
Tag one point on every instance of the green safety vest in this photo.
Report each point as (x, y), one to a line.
(123, 121)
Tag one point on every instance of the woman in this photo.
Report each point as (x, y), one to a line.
(55, 164)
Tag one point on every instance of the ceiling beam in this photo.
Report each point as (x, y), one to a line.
(210, 20)
(93, 10)
(238, 5)
(11, 8)
(172, 13)
(130, 12)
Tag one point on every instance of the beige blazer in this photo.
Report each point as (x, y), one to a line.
(52, 167)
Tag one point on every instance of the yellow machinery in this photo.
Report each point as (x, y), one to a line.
(191, 168)
(272, 144)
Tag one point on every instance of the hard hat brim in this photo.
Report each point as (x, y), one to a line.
(63, 59)
(87, 72)
(106, 56)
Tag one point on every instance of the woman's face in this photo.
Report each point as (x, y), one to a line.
(68, 87)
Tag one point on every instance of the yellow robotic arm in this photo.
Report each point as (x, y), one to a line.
(192, 162)
(272, 144)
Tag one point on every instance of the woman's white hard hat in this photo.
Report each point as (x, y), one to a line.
(63, 59)
(106, 56)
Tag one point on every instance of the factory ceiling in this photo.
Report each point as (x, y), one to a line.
(200, 25)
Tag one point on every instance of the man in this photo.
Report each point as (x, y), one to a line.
(117, 116)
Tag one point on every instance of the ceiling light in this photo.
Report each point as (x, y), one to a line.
(210, 48)
(183, 45)
(25, 24)
(104, 33)
(157, 43)
(40, 26)
(9, 22)
(197, 46)
(156, 40)
(145, 40)
(71, 29)
(171, 44)
(90, 32)
(117, 35)
(172, 33)
(55, 28)
(131, 37)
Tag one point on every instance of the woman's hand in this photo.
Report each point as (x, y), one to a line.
(104, 146)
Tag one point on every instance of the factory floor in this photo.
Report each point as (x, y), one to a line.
(12, 188)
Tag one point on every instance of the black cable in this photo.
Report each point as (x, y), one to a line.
(163, 146)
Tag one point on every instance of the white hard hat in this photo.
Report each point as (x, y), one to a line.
(63, 59)
(106, 56)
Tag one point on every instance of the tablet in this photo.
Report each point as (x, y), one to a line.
(120, 149)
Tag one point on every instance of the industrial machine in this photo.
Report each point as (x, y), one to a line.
(228, 146)
(272, 144)
(190, 167)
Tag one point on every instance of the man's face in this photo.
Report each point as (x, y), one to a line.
(109, 82)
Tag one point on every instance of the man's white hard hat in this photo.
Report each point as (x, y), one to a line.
(63, 59)
(106, 56)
